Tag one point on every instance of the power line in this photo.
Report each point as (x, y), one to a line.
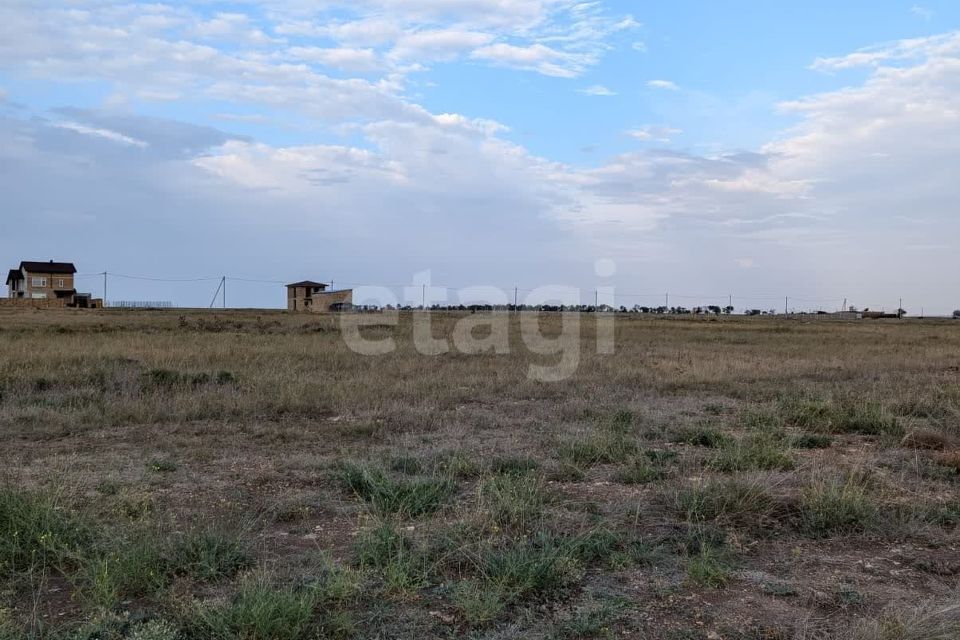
(152, 279)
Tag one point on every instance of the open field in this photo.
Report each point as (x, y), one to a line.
(245, 475)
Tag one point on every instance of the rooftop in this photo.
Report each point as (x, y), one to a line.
(47, 267)
(308, 283)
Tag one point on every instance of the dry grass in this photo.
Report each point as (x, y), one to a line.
(245, 475)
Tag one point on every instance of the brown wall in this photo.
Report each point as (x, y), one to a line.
(53, 283)
(29, 303)
(319, 302)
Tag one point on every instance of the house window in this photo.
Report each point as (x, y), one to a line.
(60, 283)
(39, 282)
(38, 296)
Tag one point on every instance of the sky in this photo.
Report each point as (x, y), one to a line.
(797, 154)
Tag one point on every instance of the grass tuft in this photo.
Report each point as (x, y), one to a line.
(37, 530)
(409, 497)
(755, 452)
(597, 447)
(640, 470)
(699, 436)
(259, 611)
(837, 507)
(403, 569)
(210, 555)
(811, 441)
(512, 502)
(734, 500)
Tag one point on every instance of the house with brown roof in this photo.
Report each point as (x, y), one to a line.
(313, 296)
(49, 281)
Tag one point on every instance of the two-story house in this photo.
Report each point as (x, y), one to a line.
(47, 281)
(40, 280)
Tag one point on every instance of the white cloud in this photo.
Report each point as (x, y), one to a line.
(640, 46)
(658, 133)
(106, 134)
(437, 44)
(909, 50)
(233, 27)
(597, 90)
(537, 57)
(922, 12)
(662, 84)
(347, 59)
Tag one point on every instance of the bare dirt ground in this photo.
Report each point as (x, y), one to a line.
(246, 475)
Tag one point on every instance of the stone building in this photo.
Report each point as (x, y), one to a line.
(314, 297)
(48, 284)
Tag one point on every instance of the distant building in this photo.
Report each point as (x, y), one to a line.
(47, 284)
(314, 297)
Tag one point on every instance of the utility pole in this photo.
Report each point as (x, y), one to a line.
(844, 307)
(104, 288)
(666, 300)
(900, 310)
(423, 297)
(730, 302)
(596, 299)
(224, 280)
(515, 299)
(786, 305)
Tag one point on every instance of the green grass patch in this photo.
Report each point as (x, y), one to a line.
(38, 531)
(838, 506)
(403, 568)
(710, 567)
(158, 465)
(598, 447)
(210, 555)
(866, 417)
(513, 465)
(841, 415)
(762, 419)
(811, 441)
(410, 497)
(405, 464)
(145, 563)
(733, 500)
(699, 436)
(755, 452)
(513, 502)
(640, 470)
(542, 565)
(478, 603)
(167, 380)
(260, 611)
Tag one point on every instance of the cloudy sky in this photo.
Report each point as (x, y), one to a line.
(742, 148)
